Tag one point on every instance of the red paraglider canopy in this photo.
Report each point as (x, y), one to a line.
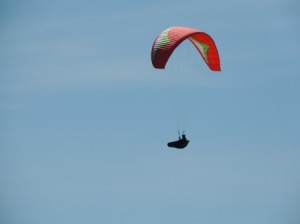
(167, 41)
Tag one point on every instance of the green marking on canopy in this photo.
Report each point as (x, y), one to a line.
(162, 40)
(203, 48)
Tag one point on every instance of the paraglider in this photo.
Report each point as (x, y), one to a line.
(165, 44)
(181, 143)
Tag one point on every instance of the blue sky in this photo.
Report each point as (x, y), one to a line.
(85, 118)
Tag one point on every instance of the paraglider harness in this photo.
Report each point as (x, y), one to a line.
(181, 143)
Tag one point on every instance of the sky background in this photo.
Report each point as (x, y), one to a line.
(85, 118)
